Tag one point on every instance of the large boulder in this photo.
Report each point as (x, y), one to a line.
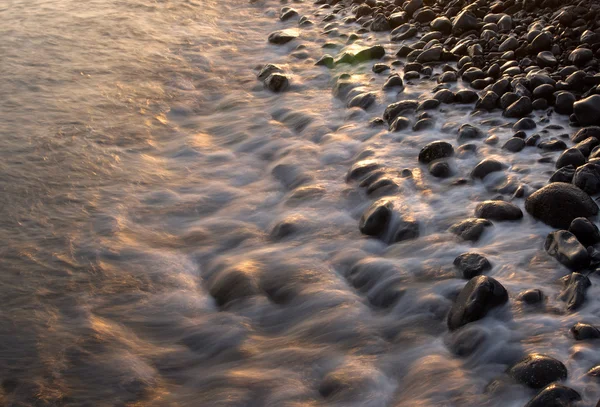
(476, 299)
(587, 110)
(587, 178)
(558, 203)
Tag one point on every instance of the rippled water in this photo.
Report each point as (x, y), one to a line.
(142, 165)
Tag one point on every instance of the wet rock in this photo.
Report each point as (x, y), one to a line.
(587, 110)
(364, 101)
(400, 123)
(480, 295)
(552, 145)
(361, 169)
(282, 37)
(404, 32)
(441, 24)
(396, 109)
(524, 124)
(586, 146)
(287, 14)
(366, 54)
(393, 81)
(583, 332)
(514, 145)
(277, 82)
(581, 56)
(486, 167)
(406, 230)
(543, 42)
(232, 284)
(522, 107)
(546, 59)
(537, 371)
(557, 204)
(533, 296)
(472, 264)
(428, 104)
(431, 55)
(585, 231)
(422, 124)
(508, 99)
(464, 21)
(434, 151)
(466, 341)
(498, 210)
(267, 70)
(488, 101)
(572, 156)
(379, 68)
(564, 247)
(440, 169)
(554, 395)
(565, 174)
(445, 96)
(585, 133)
(587, 178)
(470, 229)
(326, 60)
(375, 220)
(380, 23)
(576, 286)
(465, 96)
(469, 132)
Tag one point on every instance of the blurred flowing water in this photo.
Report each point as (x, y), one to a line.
(142, 164)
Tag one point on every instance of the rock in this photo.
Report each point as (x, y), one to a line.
(524, 124)
(557, 204)
(326, 60)
(428, 104)
(488, 101)
(282, 37)
(571, 156)
(514, 145)
(393, 81)
(543, 42)
(431, 55)
(464, 21)
(366, 54)
(581, 56)
(448, 77)
(445, 96)
(565, 174)
(594, 372)
(401, 123)
(587, 178)
(440, 169)
(508, 99)
(380, 23)
(277, 82)
(422, 124)
(469, 132)
(465, 96)
(361, 169)
(565, 247)
(585, 231)
(379, 68)
(407, 230)
(486, 167)
(498, 210)
(441, 24)
(288, 14)
(375, 220)
(546, 59)
(404, 32)
(510, 44)
(480, 295)
(582, 332)
(552, 145)
(472, 264)
(522, 107)
(434, 151)
(587, 146)
(585, 133)
(364, 101)
(505, 23)
(576, 286)
(533, 296)
(554, 395)
(587, 110)
(232, 284)
(470, 229)
(396, 109)
(467, 340)
(537, 371)
(424, 15)
(397, 19)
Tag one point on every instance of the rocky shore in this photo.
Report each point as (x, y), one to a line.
(526, 60)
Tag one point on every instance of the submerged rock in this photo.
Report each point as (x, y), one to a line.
(470, 229)
(472, 264)
(498, 210)
(564, 247)
(574, 294)
(554, 395)
(375, 220)
(582, 332)
(434, 151)
(476, 299)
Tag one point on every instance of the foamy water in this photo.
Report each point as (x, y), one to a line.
(145, 171)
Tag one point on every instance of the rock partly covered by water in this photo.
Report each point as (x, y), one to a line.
(476, 299)
(558, 203)
(537, 371)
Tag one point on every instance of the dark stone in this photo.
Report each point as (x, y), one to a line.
(361, 169)
(445, 96)
(422, 124)
(374, 52)
(522, 107)
(428, 104)
(585, 231)
(564, 247)
(379, 68)
(400, 123)
(469, 132)
(488, 101)
(546, 59)
(514, 145)
(498, 210)
(396, 109)
(537, 371)
(364, 101)
(582, 332)
(465, 96)
(440, 169)
(586, 132)
(441, 24)
(587, 178)
(552, 145)
(554, 395)
(393, 81)
(544, 91)
(572, 156)
(466, 341)
(472, 264)
(563, 104)
(277, 82)
(587, 146)
(282, 37)
(539, 104)
(464, 21)
(232, 284)
(380, 23)
(576, 286)
(404, 32)
(581, 56)
(407, 230)
(508, 99)
(470, 229)
(326, 60)
(543, 42)
(557, 204)
(424, 15)
(533, 296)
(565, 174)
(486, 167)
(434, 151)
(374, 221)
(587, 110)
(524, 124)
(480, 295)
